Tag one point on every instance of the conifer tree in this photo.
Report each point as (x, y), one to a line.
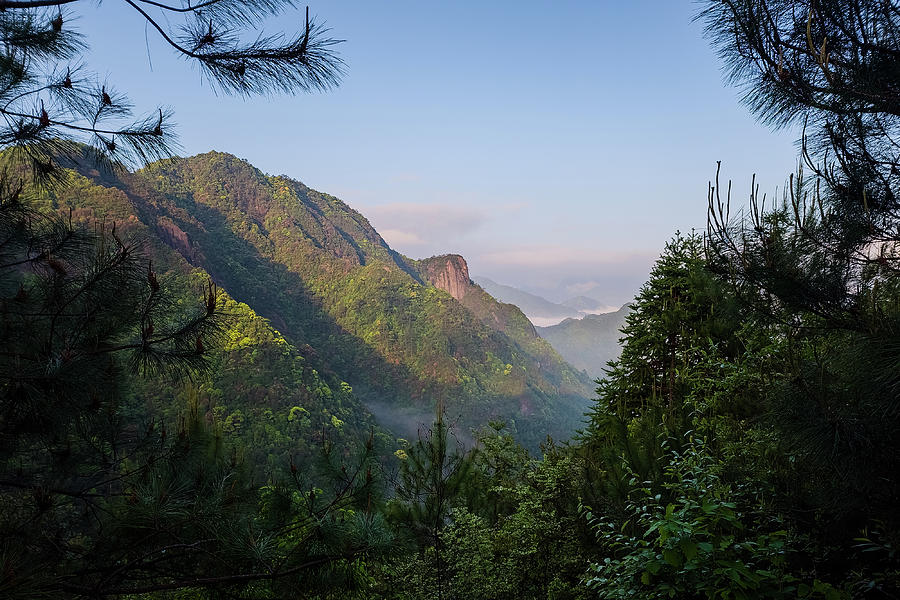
(677, 315)
(433, 478)
(673, 314)
(50, 101)
(829, 66)
(821, 263)
(97, 500)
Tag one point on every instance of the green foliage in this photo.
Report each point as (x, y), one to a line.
(80, 312)
(679, 335)
(688, 482)
(541, 546)
(515, 532)
(432, 479)
(694, 540)
(679, 311)
(818, 270)
(742, 446)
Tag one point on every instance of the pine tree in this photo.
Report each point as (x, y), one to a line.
(831, 66)
(96, 499)
(79, 311)
(433, 478)
(647, 397)
(821, 264)
(51, 103)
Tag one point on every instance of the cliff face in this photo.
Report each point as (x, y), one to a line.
(448, 272)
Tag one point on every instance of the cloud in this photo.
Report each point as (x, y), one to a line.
(551, 256)
(423, 218)
(426, 229)
(489, 232)
(398, 237)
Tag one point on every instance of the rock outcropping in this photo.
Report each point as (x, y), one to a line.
(448, 272)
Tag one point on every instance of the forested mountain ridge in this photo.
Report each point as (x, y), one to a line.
(589, 342)
(348, 303)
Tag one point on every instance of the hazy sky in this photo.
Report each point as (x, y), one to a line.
(556, 146)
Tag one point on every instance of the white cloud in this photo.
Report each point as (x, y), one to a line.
(427, 229)
(426, 219)
(398, 237)
(488, 234)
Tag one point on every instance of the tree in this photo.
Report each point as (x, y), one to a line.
(821, 263)
(97, 500)
(832, 66)
(679, 315)
(433, 477)
(699, 540)
(49, 102)
(673, 315)
(78, 311)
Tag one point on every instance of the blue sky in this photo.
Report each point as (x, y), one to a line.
(556, 146)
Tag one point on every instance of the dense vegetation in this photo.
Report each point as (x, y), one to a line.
(160, 439)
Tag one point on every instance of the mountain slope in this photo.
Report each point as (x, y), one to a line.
(263, 395)
(352, 307)
(590, 342)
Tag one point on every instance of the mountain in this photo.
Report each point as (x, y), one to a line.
(589, 342)
(367, 330)
(539, 311)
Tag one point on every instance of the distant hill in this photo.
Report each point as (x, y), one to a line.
(539, 311)
(335, 320)
(590, 342)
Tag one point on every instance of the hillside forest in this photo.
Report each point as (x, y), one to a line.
(217, 383)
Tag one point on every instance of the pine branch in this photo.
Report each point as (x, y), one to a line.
(26, 4)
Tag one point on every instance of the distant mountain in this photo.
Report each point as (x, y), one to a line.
(588, 305)
(590, 342)
(539, 311)
(339, 322)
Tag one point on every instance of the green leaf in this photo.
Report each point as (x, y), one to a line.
(673, 557)
(689, 549)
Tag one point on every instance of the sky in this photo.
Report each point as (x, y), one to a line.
(556, 146)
